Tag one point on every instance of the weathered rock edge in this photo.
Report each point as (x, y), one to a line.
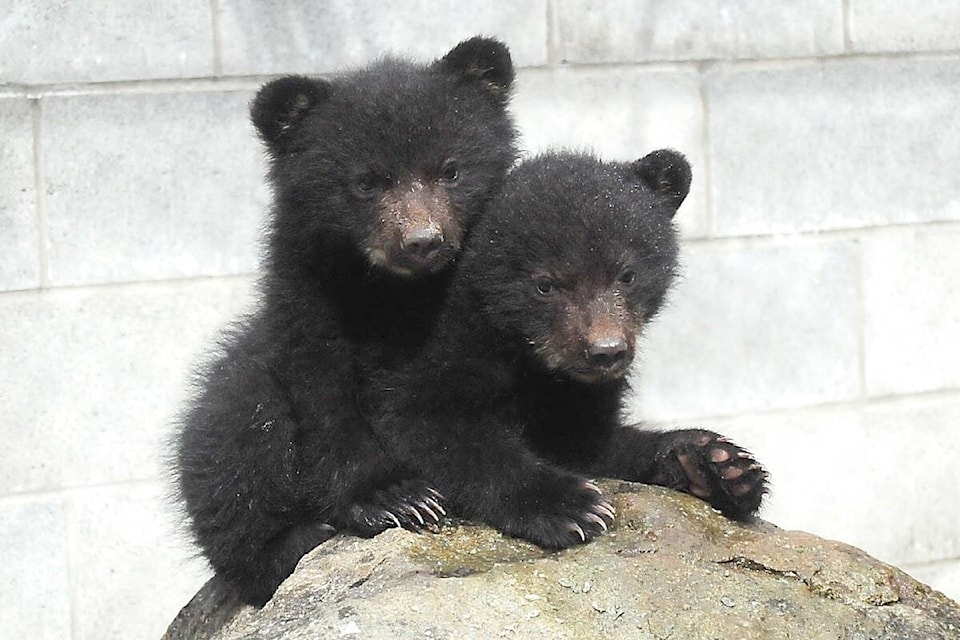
(670, 567)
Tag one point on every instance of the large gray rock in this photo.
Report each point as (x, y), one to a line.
(670, 567)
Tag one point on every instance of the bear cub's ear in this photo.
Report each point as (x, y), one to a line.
(282, 103)
(482, 59)
(665, 172)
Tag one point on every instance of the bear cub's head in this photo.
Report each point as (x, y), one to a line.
(576, 255)
(387, 165)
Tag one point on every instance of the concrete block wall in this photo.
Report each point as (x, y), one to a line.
(818, 319)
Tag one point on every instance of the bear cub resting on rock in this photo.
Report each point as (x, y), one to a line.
(517, 398)
(377, 176)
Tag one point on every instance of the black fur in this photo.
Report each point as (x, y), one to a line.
(377, 177)
(518, 396)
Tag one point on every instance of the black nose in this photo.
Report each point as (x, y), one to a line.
(608, 353)
(423, 243)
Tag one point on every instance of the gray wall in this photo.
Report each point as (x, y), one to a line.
(818, 321)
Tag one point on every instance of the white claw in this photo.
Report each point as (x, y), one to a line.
(592, 517)
(436, 494)
(428, 510)
(606, 509)
(416, 514)
(394, 518)
(435, 505)
(589, 486)
(576, 528)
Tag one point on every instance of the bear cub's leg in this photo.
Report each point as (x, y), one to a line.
(279, 558)
(698, 462)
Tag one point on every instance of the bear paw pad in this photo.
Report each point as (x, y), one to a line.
(721, 473)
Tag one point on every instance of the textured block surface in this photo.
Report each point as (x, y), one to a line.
(631, 30)
(91, 378)
(834, 145)
(34, 578)
(912, 330)
(321, 37)
(19, 224)
(889, 25)
(754, 329)
(57, 42)
(882, 478)
(817, 320)
(640, 110)
(142, 187)
(123, 534)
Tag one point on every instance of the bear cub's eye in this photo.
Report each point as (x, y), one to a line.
(627, 277)
(366, 185)
(449, 172)
(545, 286)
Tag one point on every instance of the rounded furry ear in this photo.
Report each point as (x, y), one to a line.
(482, 60)
(282, 103)
(665, 172)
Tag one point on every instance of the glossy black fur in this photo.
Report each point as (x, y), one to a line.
(271, 457)
(518, 397)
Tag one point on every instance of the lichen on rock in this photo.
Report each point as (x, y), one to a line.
(670, 567)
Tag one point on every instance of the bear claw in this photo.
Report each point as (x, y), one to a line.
(430, 512)
(589, 486)
(573, 514)
(393, 518)
(573, 526)
(605, 510)
(407, 505)
(592, 517)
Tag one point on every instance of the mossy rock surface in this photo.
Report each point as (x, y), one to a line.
(670, 567)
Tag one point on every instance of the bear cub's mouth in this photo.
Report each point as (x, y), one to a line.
(413, 264)
(596, 374)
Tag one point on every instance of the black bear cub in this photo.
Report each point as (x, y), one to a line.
(517, 399)
(377, 177)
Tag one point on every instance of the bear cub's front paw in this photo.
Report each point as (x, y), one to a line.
(569, 511)
(714, 469)
(410, 504)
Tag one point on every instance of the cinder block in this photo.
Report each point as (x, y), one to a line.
(631, 31)
(19, 226)
(882, 477)
(34, 585)
(59, 42)
(155, 186)
(261, 38)
(912, 309)
(133, 572)
(754, 329)
(621, 114)
(92, 378)
(839, 144)
(888, 25)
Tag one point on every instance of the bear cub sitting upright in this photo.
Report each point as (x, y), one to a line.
(518, 397)
(377, 177)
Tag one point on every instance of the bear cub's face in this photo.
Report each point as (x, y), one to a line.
(391, 162)
(576, 255)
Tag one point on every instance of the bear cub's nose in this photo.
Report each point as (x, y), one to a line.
(608, 353)
(422, 244)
